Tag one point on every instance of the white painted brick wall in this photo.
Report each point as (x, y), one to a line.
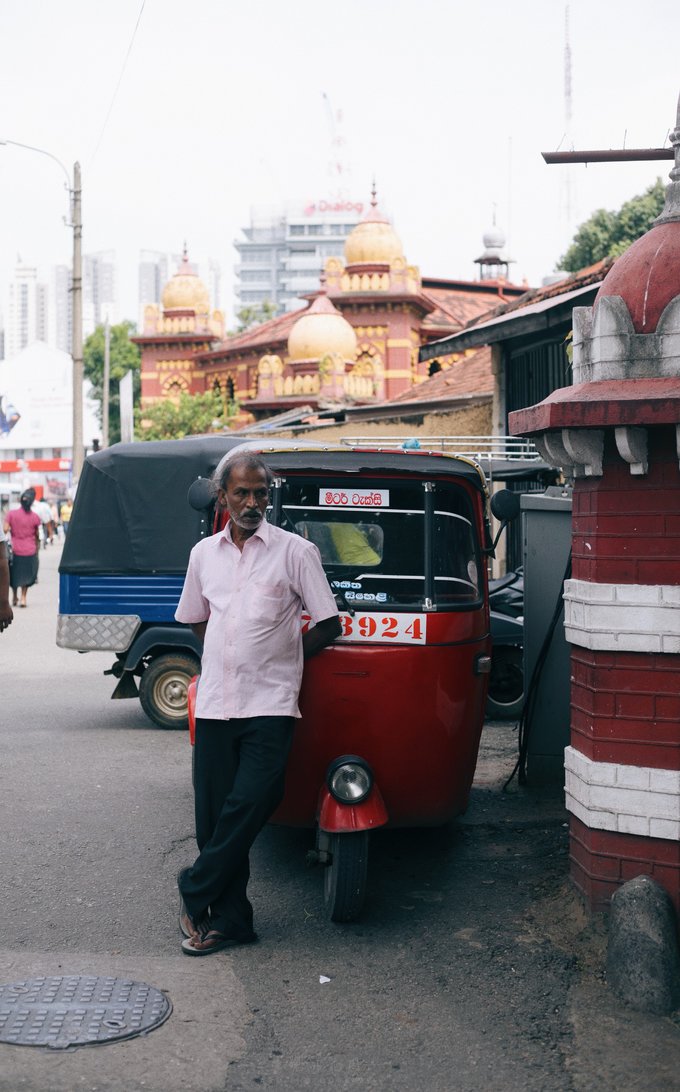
(633, 824)
(628, 799)
(607, 347)
(632, 777)
(662, 828)
(663, 780)
(622, 617)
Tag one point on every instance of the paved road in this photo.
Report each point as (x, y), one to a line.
(473, 968)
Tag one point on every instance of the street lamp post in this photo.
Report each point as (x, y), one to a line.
(75, 192)
(77, 330)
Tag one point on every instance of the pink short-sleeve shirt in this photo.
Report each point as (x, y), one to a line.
(23, 526)
(253, 601)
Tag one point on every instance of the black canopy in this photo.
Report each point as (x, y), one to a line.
(131, 513)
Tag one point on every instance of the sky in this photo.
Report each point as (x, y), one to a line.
(185, 115)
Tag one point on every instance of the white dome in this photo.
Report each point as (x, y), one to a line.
(494, 239)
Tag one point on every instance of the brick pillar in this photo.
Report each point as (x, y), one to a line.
(616, 431)
(622, 619)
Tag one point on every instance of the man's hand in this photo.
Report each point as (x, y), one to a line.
(6, 612)
(6, 615)
(198, 629)
(320, 635)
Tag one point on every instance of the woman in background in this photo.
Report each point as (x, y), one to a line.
(23, 525)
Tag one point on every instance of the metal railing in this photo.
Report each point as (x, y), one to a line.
(481, 448)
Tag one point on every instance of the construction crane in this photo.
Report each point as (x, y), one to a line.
(338, 170)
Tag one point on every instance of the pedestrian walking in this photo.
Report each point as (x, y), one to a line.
(24, 527)
(65, 513)
(6, 613)
(56, 523)
(44, 512)
(243, 596)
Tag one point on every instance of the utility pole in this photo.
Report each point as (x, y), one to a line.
(77, 338)
(567, 181)
(76, 300)
(105, 385)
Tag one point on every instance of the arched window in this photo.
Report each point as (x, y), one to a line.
(174, 388)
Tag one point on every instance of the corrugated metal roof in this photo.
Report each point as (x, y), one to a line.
(533, 308)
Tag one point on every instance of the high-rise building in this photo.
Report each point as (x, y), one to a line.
(40, 308)
(26, 311)
(100, 299)
(155, 269)
(61, 321)
(285, 250)
(213, 279)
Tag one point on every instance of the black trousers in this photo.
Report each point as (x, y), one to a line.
(239, 778)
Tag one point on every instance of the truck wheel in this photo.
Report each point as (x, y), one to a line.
(163, 689)
(344, 885)
(506, 683)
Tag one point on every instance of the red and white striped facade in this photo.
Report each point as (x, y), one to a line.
(617, 431)
(622, 768)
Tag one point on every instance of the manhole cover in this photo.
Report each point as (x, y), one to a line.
(74, 1010)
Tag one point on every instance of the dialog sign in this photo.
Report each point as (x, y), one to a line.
(379, 628)
(354, 498)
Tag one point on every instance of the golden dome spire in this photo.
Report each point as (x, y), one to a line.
(186, 291)
(373, 241)
(321, 330)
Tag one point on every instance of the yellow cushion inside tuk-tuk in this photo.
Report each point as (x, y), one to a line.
(352, 546)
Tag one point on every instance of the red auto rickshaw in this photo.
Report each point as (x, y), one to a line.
(392, 712)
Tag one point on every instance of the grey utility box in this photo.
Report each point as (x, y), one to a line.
(546, 519)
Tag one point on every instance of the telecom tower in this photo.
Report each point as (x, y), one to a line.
(285, 247)
(567, 194)
(339, 170)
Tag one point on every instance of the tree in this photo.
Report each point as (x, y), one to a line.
(608, 233)
(248, 317)
(188, 415)
(124, 356)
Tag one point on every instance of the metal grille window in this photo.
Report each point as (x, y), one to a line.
(535, 371)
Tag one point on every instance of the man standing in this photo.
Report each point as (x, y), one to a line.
(6, 613)
(243, 595)
(44, 513)
(65, 513)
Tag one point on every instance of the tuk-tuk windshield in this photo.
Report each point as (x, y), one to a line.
(372, 540)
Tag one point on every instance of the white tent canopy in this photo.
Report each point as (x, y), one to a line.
(38, 384)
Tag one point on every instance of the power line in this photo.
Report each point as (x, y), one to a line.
(120, 80)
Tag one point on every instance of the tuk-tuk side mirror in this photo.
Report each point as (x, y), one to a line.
(200, 494)
(505, 507)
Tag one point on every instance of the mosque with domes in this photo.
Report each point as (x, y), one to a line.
(356, 342)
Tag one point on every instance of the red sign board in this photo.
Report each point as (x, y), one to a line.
(334, 206)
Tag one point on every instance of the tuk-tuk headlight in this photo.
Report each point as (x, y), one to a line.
(349, 779)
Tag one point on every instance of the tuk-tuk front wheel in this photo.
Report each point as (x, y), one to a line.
(506, 683)
(345, 876)
(163, 689)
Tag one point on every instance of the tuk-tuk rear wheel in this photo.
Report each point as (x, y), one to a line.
(163, 689)
(345, 877)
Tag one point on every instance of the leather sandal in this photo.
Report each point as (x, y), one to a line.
(214, 941)
(186, 923)
(187, 926)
